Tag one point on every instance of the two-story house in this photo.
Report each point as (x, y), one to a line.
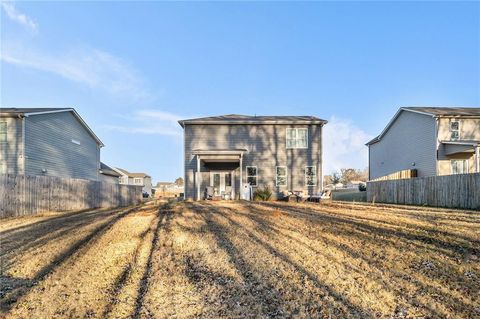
(283, 153)
(48, 141)
(432, 140)
(138, 179)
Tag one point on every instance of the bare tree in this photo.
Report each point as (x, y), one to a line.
(179, 181)
(335, 179)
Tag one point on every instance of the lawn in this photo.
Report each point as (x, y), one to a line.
(243, 260)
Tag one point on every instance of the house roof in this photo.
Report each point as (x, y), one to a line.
(125, 172)
(22, 111)
(253, 120)
(446, 111)
(434, 112)
(107, 170)
(25, 112)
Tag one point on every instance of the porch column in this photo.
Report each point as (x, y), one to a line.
(241, 176)
(198, 179)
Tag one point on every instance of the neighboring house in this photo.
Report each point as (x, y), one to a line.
(167, 187)
(108, 174)
(138, 179)
(48, 141)
(283, 153)
(354, 184)
(432, 140)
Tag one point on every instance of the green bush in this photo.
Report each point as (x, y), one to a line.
(362, 187)
(262, 194)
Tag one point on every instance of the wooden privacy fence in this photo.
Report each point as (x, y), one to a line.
(452, 191)
(408, 173)
(26, 195)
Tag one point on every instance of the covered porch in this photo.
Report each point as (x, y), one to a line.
(218, 173)
(464, 156)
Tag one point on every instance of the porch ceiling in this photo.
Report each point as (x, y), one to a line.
(220, 158)
(454, 147)
(219, 152)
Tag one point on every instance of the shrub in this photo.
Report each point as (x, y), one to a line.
(362, 187)
(262, 194)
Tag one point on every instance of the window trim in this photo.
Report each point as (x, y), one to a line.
(135, 180)
(256, 175)
(315, 179)
(451, 130)
(296, 137)
(467, 165)
(276, 176)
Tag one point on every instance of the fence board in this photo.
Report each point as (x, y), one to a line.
(452, 191)
(27, 195)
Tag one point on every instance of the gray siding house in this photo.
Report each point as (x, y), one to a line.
(48, 141)
(108, 174)
(432, 140)
(283, 153)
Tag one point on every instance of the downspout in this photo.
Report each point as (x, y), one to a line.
(23, 144)
(477, 158)
(321, 158)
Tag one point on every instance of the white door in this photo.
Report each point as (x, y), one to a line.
(222, 182)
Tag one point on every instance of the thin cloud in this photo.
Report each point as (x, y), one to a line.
(91, 67)
(150, 122)
(18, 17)
(344, 146)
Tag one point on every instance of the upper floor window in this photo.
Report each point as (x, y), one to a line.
(454, 129)
(297, 138)
(459, 166)
(310, 175)
(281, 176)
(252, 175)
(137, 181)
(3, 131)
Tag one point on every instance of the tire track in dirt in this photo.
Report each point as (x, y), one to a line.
(122, 284)
(144, 282)
(128, 293)
(17, 292)
(59, 265)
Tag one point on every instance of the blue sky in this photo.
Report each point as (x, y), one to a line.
(132, 69)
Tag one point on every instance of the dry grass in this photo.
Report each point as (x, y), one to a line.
(243, 260)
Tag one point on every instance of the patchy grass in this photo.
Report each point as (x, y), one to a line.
(243, 260)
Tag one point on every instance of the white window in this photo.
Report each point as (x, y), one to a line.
(137, 181)
(281, 176)
(252, 175)
(454, 130)
(310, 175)
(3, 131)
(459, 166)
(297, 138)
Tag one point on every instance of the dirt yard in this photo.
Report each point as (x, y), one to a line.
(242, 260)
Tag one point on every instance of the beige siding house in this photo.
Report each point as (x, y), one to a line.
(432, 140)
(227, 152)
(138, 179)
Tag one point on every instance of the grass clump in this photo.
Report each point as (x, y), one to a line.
(262, 194)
